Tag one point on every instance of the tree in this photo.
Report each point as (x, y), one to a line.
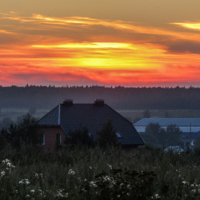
(173, 135)
(79, 136)
(197, 141)
(24, 130)
(107, 135)
(156, 130)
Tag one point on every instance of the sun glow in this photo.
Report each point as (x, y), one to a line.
(41, 49)
(195, 26)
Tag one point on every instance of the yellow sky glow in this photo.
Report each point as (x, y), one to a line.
(90, 50)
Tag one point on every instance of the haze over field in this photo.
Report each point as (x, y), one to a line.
(87, 42)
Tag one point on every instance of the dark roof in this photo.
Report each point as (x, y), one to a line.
(92, 116)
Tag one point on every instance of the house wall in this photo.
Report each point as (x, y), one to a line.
(51, 137)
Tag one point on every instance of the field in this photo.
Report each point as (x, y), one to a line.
(90, 174)
(131, 115)
(134, 115)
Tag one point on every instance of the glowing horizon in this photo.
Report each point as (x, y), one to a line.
(77, 50)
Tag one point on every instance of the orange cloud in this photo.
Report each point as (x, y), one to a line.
(189, 25)
(46, 50)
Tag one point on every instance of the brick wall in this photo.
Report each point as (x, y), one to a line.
(51, 137)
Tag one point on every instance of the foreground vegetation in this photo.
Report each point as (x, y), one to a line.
(96, 173)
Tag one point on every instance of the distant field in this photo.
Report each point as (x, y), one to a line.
(13, 113)
(134, 115)
(131, 115)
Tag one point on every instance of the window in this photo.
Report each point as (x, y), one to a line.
(58, 139)
(42, 139)
(118, 135)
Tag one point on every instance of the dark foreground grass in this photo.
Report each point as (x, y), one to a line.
(112, 173)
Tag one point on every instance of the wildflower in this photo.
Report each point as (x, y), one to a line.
(85, 179)
(90, 167)
(93, 184)
(27, 182)
(9, 164)
(16, 191)
(41, 175)
(20, 182)
(128, 194)
(27, 196)
(3, 173)
(156, 196)
(128, 186)
(66, 194)
(106, 179)
(40, 190)
(118, 196)
(71, 172)
(32, 191)
(110, 166)
(36, 175)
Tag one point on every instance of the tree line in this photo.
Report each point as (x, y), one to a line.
(43, 97)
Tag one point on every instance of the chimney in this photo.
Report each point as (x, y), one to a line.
(68, 102)
(99, 102)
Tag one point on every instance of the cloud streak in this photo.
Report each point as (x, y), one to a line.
(41, 49)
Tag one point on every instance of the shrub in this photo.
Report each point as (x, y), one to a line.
(107, 135)
(80, 136)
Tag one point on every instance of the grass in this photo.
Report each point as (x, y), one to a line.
(112, 173)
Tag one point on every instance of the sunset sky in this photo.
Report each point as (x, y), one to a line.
(91, 42)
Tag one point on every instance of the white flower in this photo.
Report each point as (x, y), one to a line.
(110, 166)
(90, 167)
(9, 164)
(157, 196)
(71, 172)
(21, 182)
(93, 184)
(27, 196)
(3, 173)
(32, 191)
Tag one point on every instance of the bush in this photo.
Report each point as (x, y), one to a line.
(23, 131)
(80, 136)
(107, 135)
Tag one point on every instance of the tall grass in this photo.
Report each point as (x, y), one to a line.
(95, 173)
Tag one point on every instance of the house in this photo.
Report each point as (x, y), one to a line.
(185, 124)
(55, 125)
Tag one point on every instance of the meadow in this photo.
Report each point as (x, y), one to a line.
(93, 173)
